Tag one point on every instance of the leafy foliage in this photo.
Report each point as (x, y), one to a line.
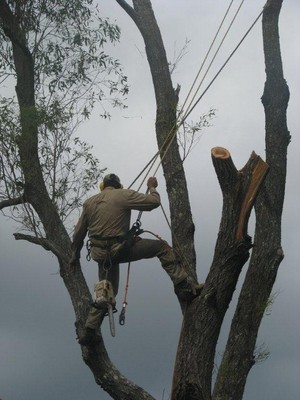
(68, 165)
(73, 73)
(191, 132)
(11, 174)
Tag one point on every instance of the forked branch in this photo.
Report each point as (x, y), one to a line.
(204, 317)
(11, 202)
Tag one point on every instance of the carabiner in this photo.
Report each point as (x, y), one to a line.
(122, 314)
(88, 248)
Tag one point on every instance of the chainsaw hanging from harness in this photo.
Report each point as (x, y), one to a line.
(104, 295)
(103, 290)
(105, 300)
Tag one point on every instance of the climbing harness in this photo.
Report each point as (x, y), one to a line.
(134, 231)
(104, 295)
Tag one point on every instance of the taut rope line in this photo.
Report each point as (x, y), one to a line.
(216, 52)
(173, 131)
(222, 67)
(171, 135)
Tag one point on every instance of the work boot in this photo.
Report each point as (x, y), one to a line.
(89, 337)
(188, 289)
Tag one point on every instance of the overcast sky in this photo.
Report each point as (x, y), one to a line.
(39, 355)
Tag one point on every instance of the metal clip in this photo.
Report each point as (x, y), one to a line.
(122, 314)
(88, 248)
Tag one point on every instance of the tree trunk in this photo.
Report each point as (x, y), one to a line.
(267, 253)
(57, 239)
(166, 127)
(35, 191)
(203, 319)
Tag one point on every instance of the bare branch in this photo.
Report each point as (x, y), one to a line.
(11, 202)
(45, 243)
(130, 11)
(231, 253)
(240, 354)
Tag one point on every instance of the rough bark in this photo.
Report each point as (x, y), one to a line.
(166, 107)
(34, 189)
(203, 319)
(267, 254)
(57, 239)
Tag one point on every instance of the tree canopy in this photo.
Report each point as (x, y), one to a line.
(71, 73)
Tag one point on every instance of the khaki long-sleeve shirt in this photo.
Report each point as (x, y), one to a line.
(108, 214)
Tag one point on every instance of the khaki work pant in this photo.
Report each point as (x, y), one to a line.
(142, 249)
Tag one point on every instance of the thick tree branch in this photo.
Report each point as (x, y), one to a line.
(105, 373)
(57, 240)
(34, 185)
(47, 245)
(10, 25)
(129, 10)
(166, 102)
(258, 175)
(225, 169)
(109, 378)
(267, 254)
(11, 202)
(204, 318)
(227, 174)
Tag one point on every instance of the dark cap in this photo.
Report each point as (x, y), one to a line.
(112, 180)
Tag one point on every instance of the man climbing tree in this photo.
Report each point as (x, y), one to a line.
(106, 218)
(260, 182)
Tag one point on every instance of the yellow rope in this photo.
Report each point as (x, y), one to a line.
(172, 133)
(205, 58)
(170, 136)
(217, 51)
